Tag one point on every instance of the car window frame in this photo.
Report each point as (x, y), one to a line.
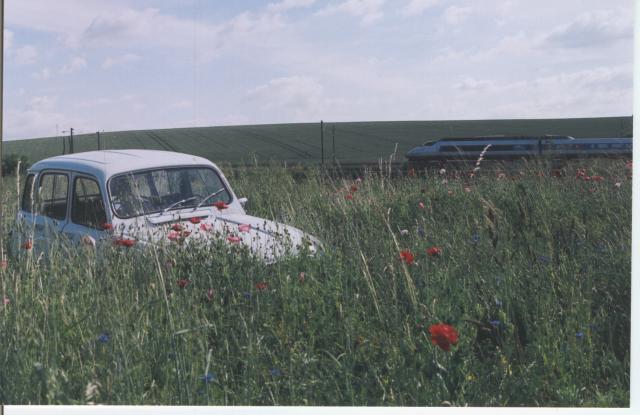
(30, 192)
(82, 175)
(218, 173)
(39, 176)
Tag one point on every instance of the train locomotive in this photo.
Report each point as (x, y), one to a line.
(553, 147)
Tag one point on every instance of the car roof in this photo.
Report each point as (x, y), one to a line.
(106, 163)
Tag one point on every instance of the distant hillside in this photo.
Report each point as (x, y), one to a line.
(300, 143)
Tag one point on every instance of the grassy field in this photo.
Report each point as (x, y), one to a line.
(533, 272)
(300, 143)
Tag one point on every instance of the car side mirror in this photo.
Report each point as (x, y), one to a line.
(243, 201)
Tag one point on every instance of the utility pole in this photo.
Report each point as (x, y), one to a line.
(64, 141)
(1, 130)
(98, 135)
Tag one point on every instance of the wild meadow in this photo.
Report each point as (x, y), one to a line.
(510, 288)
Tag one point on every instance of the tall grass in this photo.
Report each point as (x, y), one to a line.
(534, 273)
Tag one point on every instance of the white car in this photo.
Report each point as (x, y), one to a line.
(142, 197)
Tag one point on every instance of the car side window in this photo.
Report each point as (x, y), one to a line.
(27, 194)
(87, 206)
(52, 195)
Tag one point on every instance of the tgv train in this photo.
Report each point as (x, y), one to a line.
(513, 147)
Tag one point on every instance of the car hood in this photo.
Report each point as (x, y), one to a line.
(267, 240)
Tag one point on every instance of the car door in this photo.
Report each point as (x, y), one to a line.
(44, 210)
(88, 214)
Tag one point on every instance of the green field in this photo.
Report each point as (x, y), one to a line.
(533, 273)
(300, 143)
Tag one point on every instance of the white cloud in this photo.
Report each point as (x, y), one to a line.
(472, 84)
(592, 28)
(96, 102)
(185, 103)
(455, 14)
(76, 64)
(42, 74)
(285, 5)
(110, 62)
(25, 55)
(42, 103)
(368, 11)
(417, 7)
(39, 117)
(296, 98)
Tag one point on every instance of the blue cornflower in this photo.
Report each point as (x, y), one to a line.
(421, 231)
(579, 335)
(275, 372)
(247, 295)
(475, 238)
(544, 259)
(103, 337)
(209, 377)
(495, 323)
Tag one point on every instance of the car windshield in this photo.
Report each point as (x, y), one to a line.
(152, 191)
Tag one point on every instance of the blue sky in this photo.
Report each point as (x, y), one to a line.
(137, 64)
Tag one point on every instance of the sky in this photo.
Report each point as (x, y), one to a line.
(114, 65)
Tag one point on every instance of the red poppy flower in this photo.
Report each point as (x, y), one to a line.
(27, 245)
(349, 196)
(206, 227)
(183, 282)
(407, 257)
(597, 178)
(128, 243)
(262, 285)
(421, 205)
(434, 251)
(176, 227)
(244, 227)
(443, 335)
(353, 188)
(194, 220)
(220, 205)
(107, 226)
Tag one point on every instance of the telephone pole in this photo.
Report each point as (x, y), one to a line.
(1, 130)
